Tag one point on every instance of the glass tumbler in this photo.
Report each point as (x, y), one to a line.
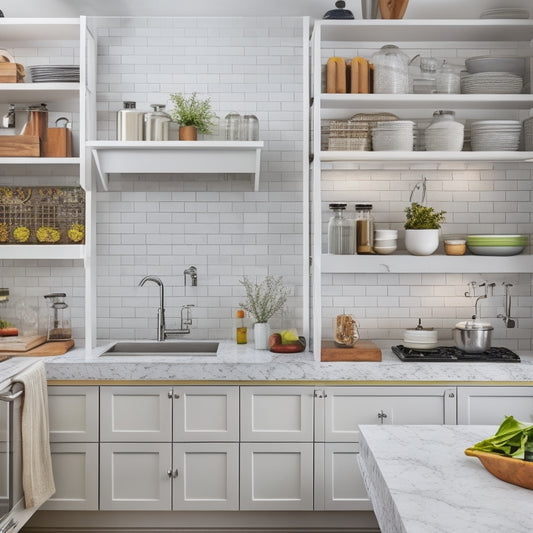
(250, 128)
(233, 126)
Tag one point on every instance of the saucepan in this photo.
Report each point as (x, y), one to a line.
(473, 336)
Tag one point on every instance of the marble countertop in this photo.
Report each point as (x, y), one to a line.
(241, 363)
(420, 481)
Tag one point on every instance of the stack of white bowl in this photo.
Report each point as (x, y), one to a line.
(420, 339)
(393, 135)
(385, 241)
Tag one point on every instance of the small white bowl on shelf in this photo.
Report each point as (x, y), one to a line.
(385, 250)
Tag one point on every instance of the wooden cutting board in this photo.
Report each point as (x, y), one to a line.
(392, 9)
(362, 351)
(46, 349)
(22, 343)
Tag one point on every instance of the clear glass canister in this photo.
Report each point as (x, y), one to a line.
(341, 231)
(448, 80)
(233, 126)
(364, 229)
(391, 71)
(129, 123)
(425, 81)
(250, 128)
(156, 124)
(345, 331)
(444, 132)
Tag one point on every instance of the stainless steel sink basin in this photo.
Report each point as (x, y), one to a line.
(166, 348)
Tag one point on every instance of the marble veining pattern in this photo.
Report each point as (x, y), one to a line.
(420, 481)
(243, 363)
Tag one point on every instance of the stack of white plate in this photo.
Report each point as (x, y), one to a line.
(420, 339)
(491, 83)
(385, 241)
(495, 135)
(528, 133)
(54, 73)
(393, 135)
(505, 13)
(510, 64)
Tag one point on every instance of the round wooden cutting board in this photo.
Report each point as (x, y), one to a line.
(392, 9)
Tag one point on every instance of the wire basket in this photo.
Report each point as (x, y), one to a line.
(42, 215)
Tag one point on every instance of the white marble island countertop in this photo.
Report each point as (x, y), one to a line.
(420, 481)
(242, 363)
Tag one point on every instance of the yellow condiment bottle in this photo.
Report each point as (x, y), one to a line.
(242, 330)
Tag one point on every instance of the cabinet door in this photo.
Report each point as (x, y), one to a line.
(283, 414)
(206, 476)
(276, 476)
(135, 476)
(204, 414)
(135, 414)
(75, 467)
(73, 414)
(339, 485)
(490, 405)
(347, 407)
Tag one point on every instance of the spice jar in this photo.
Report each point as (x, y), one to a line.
(341, 234)
(391, 71)
(129, 123)
(364, 229)
(156, 124)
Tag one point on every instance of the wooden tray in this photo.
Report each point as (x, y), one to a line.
(48, 349)
(11, 73)
(19, 146)
(22, 343)
(362, 351)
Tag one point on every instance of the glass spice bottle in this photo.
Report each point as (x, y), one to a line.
(241, 329)
(341, 231)
(364, 229)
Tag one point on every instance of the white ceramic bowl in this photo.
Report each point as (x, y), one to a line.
(514, 65)
(384, 250)
(384, 243)
(385, 234)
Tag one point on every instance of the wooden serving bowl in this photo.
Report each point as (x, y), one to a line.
(515, 471)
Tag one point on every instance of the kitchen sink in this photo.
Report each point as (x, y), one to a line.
(166, 348)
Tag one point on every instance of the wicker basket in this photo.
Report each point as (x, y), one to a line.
(42, 215)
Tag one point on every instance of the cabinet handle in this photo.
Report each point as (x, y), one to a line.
(176, 395)
(176, 473)
(169, 472)
(170, 394)
(451, 395)
(382, 415)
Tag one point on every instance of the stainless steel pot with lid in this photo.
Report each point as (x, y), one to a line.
(473, 336)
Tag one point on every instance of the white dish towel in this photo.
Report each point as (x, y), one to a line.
(37, 476)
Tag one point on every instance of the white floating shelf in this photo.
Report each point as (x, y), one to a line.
(390, 31)
(67, 94)
(437, 156)
(437, 263)
(42, 251)
(176, 157)
(40, 161)
(38, 29)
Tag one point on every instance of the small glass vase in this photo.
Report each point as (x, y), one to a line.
(261, 335)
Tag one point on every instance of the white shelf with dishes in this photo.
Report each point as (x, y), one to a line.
(340, 38)
(176, 157)
(66, 94)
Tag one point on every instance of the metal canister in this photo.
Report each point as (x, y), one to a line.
(130, 123)
(156, 124)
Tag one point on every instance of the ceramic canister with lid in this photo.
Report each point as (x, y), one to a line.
(444, 132)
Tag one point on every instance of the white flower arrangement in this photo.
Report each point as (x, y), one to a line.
(264, 299)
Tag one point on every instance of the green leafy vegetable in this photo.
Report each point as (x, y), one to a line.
(5, 324)
(513, 439)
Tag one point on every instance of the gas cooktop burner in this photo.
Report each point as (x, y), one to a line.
(451, 354)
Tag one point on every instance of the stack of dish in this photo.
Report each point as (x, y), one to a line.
(393, 135)
(496, 244)
(491, 83)
(510, 64)
(54, 73)
(528, 133)
(495, 135)
(385, 241)
(505, 13)
(420, 339)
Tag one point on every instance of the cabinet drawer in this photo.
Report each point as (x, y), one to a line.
(135, 414)
(75, 467)
(283, 414)
(206, 414)
(347, 407)
(73, 414)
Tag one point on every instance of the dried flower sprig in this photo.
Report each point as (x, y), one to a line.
(264, 299)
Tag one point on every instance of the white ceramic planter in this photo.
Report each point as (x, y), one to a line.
(421, 241)
(261, 334)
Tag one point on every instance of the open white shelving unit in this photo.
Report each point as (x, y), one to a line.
(371, 35)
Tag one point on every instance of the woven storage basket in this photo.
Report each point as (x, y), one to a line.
(42, 215)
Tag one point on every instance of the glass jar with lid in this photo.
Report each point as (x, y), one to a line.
(250, 128)
(448, 80)
(425, 81)
(444, 132)
(156, 124)
(341, 231)
(233, 126)
(364, 229)
(391, 71)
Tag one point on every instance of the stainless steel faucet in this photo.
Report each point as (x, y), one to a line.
(162, 331)
(192, 271)
(507, 320)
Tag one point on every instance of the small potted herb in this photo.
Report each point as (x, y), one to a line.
(422, 229)
(263, 301)
(193, 115)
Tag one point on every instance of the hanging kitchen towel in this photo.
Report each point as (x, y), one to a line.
(37, 476)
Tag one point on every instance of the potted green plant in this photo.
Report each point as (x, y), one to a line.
(263, 301)
(193, 115)
(422, 229)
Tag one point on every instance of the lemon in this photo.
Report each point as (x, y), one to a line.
(289, 335)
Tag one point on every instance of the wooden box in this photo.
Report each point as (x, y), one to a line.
(362, 351)
(19, 146)
(58, 143)
(11, 73)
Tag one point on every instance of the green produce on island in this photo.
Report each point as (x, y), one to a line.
(513, 439)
